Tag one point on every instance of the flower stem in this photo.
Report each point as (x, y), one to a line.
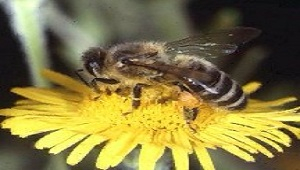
(26, 21)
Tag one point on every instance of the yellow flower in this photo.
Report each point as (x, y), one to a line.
(74, 116)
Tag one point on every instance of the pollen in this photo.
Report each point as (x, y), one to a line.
(118, 112)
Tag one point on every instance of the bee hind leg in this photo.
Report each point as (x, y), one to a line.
(190, 114)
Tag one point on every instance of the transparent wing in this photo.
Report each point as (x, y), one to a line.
(213, 44)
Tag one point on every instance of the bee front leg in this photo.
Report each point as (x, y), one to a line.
(93, 82)
(87, 81)
(81, 77)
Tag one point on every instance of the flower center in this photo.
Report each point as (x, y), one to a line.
(161, 108)
(117, 110)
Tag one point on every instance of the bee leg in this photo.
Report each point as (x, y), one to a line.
(106, 80)
(136, 99)
(81, 77)
(181, 86)
(190, 114)
(94, 85)
(93, 82)
(137, 92)
(86, 80)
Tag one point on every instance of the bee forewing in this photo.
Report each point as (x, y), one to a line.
(213, 44)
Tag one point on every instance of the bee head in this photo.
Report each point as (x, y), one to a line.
(94, 60)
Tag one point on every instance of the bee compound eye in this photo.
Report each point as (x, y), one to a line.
(94, 65)
(91, 67)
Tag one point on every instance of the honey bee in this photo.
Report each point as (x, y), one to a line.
(182, 62)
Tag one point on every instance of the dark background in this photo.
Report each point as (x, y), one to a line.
(280, 25)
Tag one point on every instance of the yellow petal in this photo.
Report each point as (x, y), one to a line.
(271, 143)
(88, 126)
(248, 144)
(277, 136)
(181, 158)
(67, 143)
(289, 118)
(20, 112)
(26, 102)
(115, 150)
(253, 144)
(84, 148)
(273, 103)
(66, 81)
(149, 154)
(47, 109)
(41, 95)
(25, 126)
(235, 142)
(251, 87)
(239, 152)
(182, 139)
(54, 138)
(204, 158)
(294, 130)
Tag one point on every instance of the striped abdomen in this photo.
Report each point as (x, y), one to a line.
(205, 81)
(215, 86)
